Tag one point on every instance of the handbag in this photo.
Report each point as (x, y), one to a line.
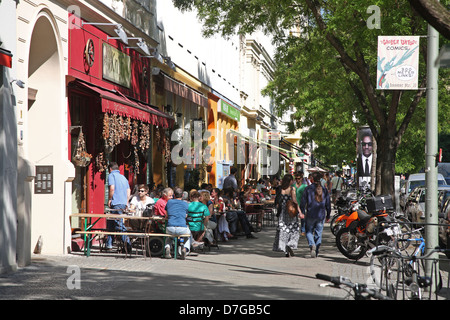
(291, 208)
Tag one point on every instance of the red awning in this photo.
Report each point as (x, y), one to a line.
(118, 103)
(5, 58)
(184, 91)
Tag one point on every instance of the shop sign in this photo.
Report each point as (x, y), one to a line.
(116, 66)
(398, 62)
(229, 110)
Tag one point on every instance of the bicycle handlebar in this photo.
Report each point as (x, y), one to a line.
(384, 249)
(357, 287)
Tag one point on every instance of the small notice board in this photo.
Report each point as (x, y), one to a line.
(43, 183)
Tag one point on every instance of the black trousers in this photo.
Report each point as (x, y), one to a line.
(233, 217)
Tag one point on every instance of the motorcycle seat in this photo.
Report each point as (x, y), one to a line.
(364, 217)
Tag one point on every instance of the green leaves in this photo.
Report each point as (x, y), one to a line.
(332, 91)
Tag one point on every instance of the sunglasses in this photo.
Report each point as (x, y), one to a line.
(367, 144)
(142, 191)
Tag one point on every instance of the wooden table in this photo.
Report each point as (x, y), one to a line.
(91, 219)
(255, 210)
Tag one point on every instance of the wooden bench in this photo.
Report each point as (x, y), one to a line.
(143, 235)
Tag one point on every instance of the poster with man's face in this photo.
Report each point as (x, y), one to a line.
(365, 157)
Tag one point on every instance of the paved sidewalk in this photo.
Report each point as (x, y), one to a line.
(243, 269)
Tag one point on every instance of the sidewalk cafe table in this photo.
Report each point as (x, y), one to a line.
(255, 210)
(91, 219)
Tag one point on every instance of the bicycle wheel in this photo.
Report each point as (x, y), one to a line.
(385, 271)
(406, 233)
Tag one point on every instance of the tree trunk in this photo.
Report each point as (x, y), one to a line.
(385, 170)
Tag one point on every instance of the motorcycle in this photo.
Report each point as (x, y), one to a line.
(344, 205)
(360, 231)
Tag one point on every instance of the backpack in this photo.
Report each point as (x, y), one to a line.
(148, 211)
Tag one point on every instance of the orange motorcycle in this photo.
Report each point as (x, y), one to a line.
(360, 231)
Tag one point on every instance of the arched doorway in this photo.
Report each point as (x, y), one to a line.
(47, 143)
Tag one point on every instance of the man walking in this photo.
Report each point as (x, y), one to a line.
(316, 207)
(119, 193)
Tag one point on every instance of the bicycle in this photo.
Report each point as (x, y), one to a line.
(360, 291)
(391, 270)
(385, 268)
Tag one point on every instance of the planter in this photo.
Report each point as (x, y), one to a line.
(82, 160)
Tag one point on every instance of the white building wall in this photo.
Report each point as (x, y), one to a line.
(8, 141)
(214, 61)
(42, 61)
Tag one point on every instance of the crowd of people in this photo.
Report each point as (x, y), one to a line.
(312, 197)
(210, 214)
(206, 215)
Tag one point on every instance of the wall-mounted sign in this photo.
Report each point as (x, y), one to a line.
(43, 183)
(229, 110)
(116, 66)
(398, 63)
(89, 53)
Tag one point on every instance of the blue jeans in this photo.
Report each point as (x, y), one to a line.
(178, 231)
(302, 226)
(116, 225)
(314, 228)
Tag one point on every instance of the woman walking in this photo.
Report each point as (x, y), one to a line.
(287, 234)
(316, 206)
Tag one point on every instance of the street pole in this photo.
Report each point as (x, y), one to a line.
(431, 149)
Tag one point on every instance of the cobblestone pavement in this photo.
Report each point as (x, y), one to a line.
(243, 269)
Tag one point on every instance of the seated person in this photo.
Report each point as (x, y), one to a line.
(196, 211)
(160, 208)
(176, 222)
(141, 201)
(205, 198)
(138, 204)
(235, 214)
(219, 206)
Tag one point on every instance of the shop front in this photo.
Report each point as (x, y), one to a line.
(185, 97)
(224, 122)
(110, 117)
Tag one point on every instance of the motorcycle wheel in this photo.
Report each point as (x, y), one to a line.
(333, 227)
(348, 244)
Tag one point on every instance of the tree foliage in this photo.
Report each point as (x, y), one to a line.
(328, 73)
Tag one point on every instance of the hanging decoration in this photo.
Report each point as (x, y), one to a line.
(80, 157)
(118, 128)
(100, 162)
(134, 132)
(136, 161)
(144, 138)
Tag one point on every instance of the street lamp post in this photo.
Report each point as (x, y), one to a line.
(431, 150)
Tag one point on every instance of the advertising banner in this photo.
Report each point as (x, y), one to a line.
(398, 62)
(365, 160)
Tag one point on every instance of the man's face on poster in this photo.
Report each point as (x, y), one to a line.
(366, 146)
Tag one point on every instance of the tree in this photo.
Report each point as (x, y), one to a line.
(435, 13)
(329, 72)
